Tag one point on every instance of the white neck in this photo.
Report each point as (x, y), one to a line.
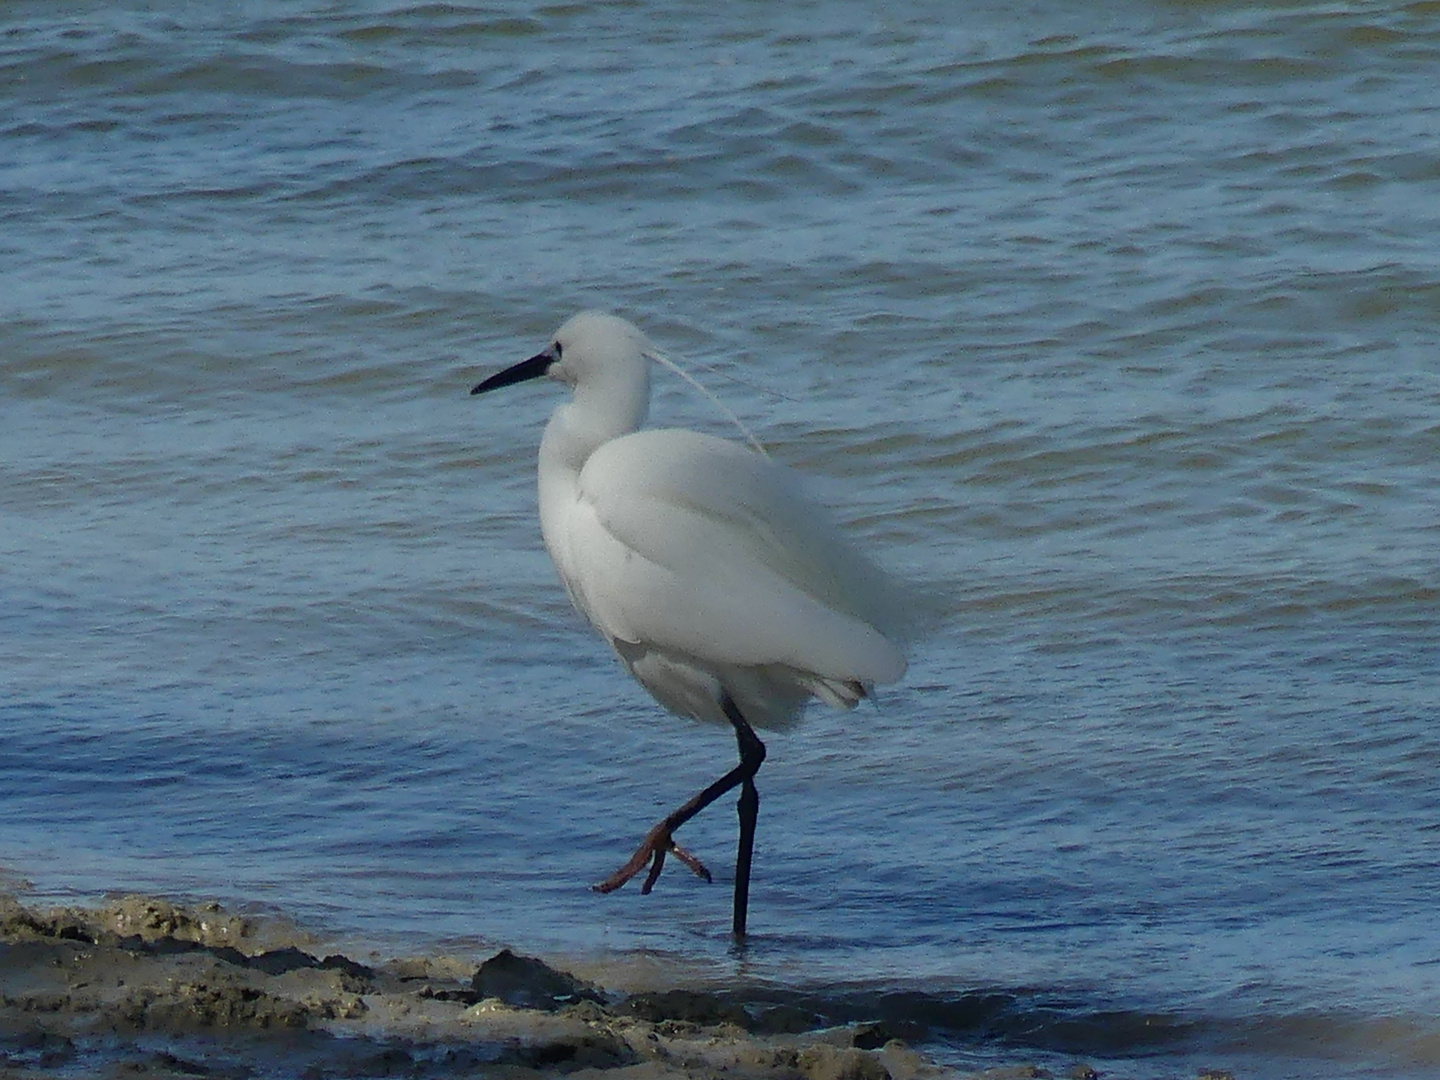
(576, 430)
(609, 402)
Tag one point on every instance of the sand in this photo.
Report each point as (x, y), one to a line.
(148, 988)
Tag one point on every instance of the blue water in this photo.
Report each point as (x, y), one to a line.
(1111, 329)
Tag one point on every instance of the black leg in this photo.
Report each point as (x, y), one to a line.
(659, 841)
(752, 753)
(749, 808)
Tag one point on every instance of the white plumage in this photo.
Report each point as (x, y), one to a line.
(727, 593)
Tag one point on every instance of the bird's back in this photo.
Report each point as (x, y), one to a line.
(686, 549)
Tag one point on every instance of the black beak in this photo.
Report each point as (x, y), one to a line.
(533, 368)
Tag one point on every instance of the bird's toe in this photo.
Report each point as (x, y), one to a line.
(652, 850)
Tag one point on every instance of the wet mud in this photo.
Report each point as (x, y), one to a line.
(147, 988)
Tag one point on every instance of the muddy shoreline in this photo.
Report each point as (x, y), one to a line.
(145, 987)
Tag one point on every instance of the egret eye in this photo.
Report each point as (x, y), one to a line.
(557, 349)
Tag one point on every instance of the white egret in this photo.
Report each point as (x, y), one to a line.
(727, 593)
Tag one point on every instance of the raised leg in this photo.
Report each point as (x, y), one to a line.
(659, 841)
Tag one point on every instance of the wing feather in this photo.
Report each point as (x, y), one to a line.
(705, 546)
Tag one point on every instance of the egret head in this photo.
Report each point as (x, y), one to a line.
(594, 349)
(605, 362)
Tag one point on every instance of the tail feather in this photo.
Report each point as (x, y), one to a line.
(841, 693)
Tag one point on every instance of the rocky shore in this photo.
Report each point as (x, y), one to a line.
(147, 988)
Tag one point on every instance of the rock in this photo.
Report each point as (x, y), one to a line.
(525, 982)
(279, 961)
(18, 923)
(591, 1012)
(347, 1007)
(687, 1006)
(34, 1046)
(786, 1020)
(150, 919)
(594, 1050)
(822, 1062)
(870, 1036)
(346, 966)
(203, 1007)
(902, 1062)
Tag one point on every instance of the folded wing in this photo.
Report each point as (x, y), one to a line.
(699, 545)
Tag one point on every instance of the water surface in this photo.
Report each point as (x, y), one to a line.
(1111, 329)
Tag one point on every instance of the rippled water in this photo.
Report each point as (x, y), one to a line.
(1113, 329)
